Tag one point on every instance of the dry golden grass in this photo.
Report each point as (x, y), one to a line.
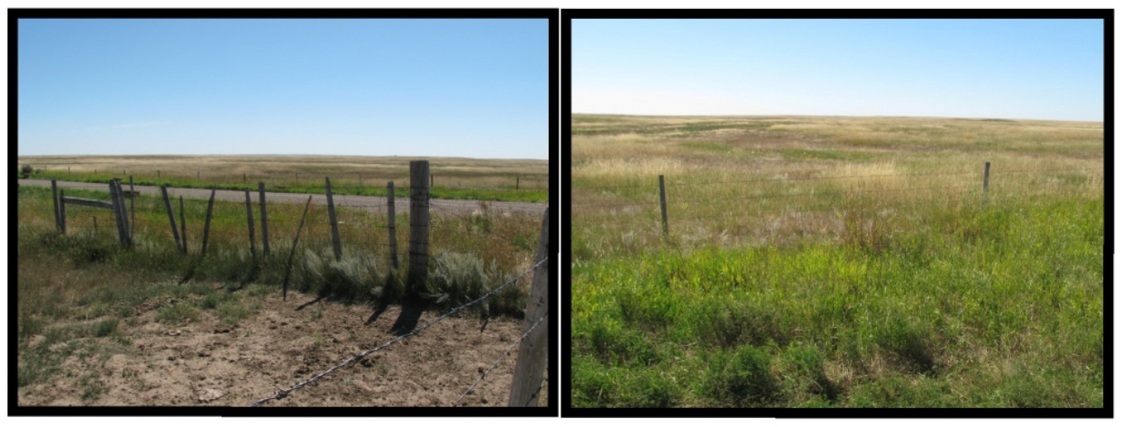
(764, 180)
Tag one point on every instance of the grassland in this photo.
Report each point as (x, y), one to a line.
(453, 178)
(76, 291)
(836, 262)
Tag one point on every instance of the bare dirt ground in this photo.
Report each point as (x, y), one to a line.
(375, 204)
(208, 363)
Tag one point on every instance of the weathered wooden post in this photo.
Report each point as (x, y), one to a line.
(516, 182)
(206, 225)
(264, 218)
(336, 245)
(61, 212)
(249, 218)
(113, 197)
(121, 215)
(171, 215)
(986, 182)
(132, 209)
(662, 201)
(418, 228)
(532, 354)
(183, 224)
(392, 221)
(55, 204)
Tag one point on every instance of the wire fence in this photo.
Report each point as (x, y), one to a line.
(787, 194)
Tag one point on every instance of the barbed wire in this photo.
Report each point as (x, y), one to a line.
(354, 359)
(500, 359)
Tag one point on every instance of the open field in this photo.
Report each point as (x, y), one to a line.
(103, 325)
(836, 262)
(453, 178)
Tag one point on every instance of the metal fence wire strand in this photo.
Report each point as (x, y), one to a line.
(500, 359)
(352, 360)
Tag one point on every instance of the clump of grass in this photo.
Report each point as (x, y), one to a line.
(740, 377)
(177, 314)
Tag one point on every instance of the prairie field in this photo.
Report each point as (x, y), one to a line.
(149, 325)
(453, 178)
(836, 262)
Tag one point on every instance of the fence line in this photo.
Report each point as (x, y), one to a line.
(648, 207)
(352, 360)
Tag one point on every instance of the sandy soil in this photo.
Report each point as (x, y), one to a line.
(207, 363)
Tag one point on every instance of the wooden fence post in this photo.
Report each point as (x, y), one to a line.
(418, 228)
(115, 197)
(292, 252)
(61, 212)
(662, 201)
(517, 179)
(336, 245)
(249, 218)
(120, 214)
(132, 209)
(986, 181)
(183, 224)
(171, 215)
(206, 226)
(264, 218)
(532, 354)
(95, 223)
(55, 204)
(392, 222)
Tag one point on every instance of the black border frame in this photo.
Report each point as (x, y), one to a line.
(1106, 15)
(553, 394)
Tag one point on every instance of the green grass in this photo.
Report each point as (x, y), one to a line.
(933, 306)
(837, 292)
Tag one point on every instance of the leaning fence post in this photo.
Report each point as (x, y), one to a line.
(115, 196)
(249, 218)
(264, 219)
(61, 212)
(171, 215)
(183, 224)
(126, 234)
(206, 225)
(532, 354)
(662, 201)
(292, 252)
(55, 204)
(418, 228)
(336, 245)
(392, 227)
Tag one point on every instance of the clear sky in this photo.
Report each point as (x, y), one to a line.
(440, 87)
(1034, 69)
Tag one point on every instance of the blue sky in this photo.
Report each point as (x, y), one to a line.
(462, 87)
(1033, 69)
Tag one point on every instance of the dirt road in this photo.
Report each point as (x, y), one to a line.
(375, 204)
